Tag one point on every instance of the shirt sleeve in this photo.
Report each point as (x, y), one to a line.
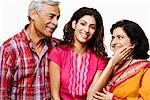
(102, 62)
(55, 55)
(7, 62)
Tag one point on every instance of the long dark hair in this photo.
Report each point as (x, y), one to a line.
(137, 37)
(96, 43)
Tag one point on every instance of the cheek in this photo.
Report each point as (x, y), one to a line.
(126, 44)
(111, 46)
(92, 32)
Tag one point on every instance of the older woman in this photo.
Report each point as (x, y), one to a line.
(127, 74)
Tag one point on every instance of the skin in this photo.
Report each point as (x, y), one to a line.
(119, 41)
(84, 31)
(122, 48)
(42, 24)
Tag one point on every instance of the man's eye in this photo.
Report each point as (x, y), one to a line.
(50, 17)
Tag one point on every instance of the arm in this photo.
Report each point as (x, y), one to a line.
(100, 80)
(104, 77)
(54, 72)
(7, 62)
(143, 93)
(90, 92)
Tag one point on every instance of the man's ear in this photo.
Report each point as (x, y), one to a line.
(74, 24)
(33, 14)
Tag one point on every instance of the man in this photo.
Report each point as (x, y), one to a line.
(23, 58)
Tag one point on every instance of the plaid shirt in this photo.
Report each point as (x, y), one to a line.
(23, 74)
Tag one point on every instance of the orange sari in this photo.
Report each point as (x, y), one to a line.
(132, 83)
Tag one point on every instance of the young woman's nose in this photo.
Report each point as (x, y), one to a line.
(86, 29)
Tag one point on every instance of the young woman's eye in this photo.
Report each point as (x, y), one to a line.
(93, 27)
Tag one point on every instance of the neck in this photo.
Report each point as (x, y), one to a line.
(32, 33)
(80, 49)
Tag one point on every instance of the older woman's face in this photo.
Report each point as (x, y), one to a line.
(120, 40)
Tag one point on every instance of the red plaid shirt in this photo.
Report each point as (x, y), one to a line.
(23, 74)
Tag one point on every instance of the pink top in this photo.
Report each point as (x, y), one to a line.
(75, 83)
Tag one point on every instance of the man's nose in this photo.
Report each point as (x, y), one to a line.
(54, 21)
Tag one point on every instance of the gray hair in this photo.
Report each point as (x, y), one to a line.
(36, 4)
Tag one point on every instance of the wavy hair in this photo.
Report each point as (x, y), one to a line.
(96, 43)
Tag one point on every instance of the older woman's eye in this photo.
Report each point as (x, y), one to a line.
(120, 37)
(112, 37)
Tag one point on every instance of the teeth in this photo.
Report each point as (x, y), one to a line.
(51, 26)
(84, 35)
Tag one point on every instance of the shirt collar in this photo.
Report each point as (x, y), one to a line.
(28, 40)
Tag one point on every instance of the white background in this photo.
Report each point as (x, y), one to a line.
(13, 15)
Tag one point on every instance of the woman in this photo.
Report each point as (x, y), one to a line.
(79, 57)
(128, 79)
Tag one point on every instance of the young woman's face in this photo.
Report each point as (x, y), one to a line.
(84, 29)
(120, 40)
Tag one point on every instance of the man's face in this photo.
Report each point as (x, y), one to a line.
(46, 20)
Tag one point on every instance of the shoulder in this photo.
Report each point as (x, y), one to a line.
(10, 47)
(143, 63)
(10, 43)
(55, 40)
(101, 59)
(13, 44)
(61, 49)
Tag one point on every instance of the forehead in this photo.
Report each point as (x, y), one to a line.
(119, 31)
(88, 19)
(47, 8)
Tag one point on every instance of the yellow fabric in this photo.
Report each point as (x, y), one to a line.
(135, 88)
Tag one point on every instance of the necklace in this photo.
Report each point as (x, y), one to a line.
(111, 83)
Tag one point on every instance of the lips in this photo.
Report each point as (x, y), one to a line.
(84, 36)
(50, 29)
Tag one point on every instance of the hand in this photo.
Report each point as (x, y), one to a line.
(103, 96)
(90, 95)
(121, 56)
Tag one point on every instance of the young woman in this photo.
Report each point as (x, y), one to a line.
(79, 57)
(129, 80)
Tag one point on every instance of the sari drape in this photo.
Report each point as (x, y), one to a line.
(133, 83)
